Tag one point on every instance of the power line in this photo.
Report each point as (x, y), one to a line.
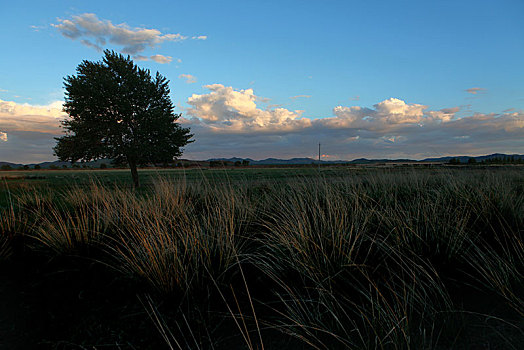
(319, 155)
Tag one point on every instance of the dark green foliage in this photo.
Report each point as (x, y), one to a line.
(504, 160)
(117, 110)
(6, 167)
(37, 167)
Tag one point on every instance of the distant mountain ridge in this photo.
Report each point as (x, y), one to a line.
(301, 161)
(296, 161)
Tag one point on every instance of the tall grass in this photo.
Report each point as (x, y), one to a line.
(175, 241)
(381, 260)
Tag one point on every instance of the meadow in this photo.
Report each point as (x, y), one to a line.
(263, 258)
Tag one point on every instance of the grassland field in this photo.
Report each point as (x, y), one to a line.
(357, 257)
(14, 180)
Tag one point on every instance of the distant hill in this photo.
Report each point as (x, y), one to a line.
(12, 165)
(298, 161)
(464, 159)
(59, 164)
(269, 161)
(277, 161)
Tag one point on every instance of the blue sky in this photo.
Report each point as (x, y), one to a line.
(274, 74)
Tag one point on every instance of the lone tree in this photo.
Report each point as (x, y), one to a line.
(117, 110)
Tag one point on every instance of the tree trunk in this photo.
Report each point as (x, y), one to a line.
(134, 172)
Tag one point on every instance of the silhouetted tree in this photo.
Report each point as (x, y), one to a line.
(117, 110)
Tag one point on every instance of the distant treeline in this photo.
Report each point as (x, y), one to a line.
(179, 164)
(494, 160)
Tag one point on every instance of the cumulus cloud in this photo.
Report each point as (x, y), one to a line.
(234, 122)
(225, 109)
(389, 114)
(228, 122)
(25, 117)
(475, 90)
(31, 129)
(190, 79)
(96, 33)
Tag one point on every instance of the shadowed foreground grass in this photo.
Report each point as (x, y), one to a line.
(388, 259)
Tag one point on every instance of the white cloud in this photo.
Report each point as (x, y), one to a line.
(190, 79)
(228, 110)
(31, 129)
(157, 58)
(232, 122)
(300, 96)
(25, 117)
(161, 59)
(37, 28)
(96, 33)
(386, 115)
(391, 128)
(200, 37)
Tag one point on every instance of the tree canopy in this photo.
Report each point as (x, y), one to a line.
(117, 110)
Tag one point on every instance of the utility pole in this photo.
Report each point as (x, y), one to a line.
(319, 156)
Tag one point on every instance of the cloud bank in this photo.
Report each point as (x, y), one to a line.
(232, 122)
(97, 33)
(27, 131)
(228, 122)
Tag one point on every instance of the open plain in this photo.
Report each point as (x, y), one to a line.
(297, 258)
